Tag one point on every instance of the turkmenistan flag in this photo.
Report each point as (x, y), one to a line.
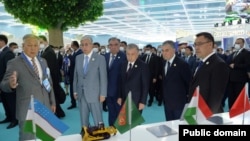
(197, 110)
(129, 116)
(42, 122)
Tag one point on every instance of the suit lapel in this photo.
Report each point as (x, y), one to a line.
(29, 66)
(46, 72)
(134, 68)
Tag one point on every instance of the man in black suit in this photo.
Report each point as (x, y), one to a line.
(49, 55)
(211, 75)
(59, 59)
(190, 58)
(239, 63)
(152, 61)
(135, 77)
(77, 51)
(8, 99)
(176, 76)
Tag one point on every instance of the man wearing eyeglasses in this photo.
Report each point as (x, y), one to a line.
(211, 75)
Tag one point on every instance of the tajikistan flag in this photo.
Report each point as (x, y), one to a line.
(197, 110)
(43, 123)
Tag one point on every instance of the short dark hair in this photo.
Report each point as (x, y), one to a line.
(4, 38)
(96, 43)
(43, 37)
(242, 39)
(207, 35)
(149, 46)
(12, 44)
(75, 43)
(124, 42)
(190, 48)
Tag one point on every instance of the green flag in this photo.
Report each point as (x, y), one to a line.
(129, 114)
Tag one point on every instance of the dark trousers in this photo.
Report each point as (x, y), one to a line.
(234, 89)
(172, 114)
(9, 105)
(73, 101)
(152, 92)
(113, 109)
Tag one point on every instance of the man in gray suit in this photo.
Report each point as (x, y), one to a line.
(28, 75)
(90, 82)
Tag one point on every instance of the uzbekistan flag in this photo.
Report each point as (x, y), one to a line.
(42, 122)
(197, 110)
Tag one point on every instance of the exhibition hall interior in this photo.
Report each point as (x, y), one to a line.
(141, 22)
(136, 21)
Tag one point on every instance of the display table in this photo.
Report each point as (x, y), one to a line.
(74, 137)
(141, 133)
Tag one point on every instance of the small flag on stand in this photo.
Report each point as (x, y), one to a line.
(129, 116)
(43, 123)
(197, 110)
(241, 104)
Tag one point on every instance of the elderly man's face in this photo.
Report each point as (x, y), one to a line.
(31, 47)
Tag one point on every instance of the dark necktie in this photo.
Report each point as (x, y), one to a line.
(35, 67)
(129, 69)
(199, 65)
(235, 54)
(148, 59)
(167, 67)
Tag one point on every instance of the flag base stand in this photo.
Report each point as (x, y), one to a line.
(161, 131)
(218, 120)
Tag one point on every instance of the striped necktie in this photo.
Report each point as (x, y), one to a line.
(35, 67)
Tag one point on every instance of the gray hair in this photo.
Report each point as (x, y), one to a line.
(30, 36)
(170, 43)
(87, 37)
(114, 38)
(132, 46)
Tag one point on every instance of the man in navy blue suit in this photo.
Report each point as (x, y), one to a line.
(135, 78)
(176, 77)
(8, 99)
(114, 60)
(75, 46)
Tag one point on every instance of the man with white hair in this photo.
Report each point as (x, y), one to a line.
(90, 82)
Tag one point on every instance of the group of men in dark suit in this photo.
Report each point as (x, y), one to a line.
(8, 99)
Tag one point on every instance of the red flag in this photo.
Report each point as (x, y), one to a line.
(197, 110)
(241, 104)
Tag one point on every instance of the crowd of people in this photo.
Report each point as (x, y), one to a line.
(98, 80)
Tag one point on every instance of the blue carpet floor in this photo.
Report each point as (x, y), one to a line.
(151, 115)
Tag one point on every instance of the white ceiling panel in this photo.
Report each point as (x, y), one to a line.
(148, 20)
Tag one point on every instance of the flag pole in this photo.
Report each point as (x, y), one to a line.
(33, 115)
(197, 94)
(130, 113)
(245, 99)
